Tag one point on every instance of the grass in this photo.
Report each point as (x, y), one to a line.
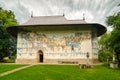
(7, 67)
(64, 72)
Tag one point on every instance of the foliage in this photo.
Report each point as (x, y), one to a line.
(7, 18)
(64, 72)
(114, 21)
(104, 55)
(114, 39)
(110, 43)
(7, 42)
(104, 50)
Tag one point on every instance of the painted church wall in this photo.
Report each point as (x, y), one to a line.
(95, 45)
(54, 44)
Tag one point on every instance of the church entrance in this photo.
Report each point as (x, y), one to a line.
(40, 56)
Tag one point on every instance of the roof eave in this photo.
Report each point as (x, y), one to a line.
(100, 28)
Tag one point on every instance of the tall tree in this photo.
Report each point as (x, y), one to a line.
(104, 50)
(114, 21)
(7, 42)
(114, 39)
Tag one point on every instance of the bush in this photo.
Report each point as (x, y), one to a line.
(9, 60)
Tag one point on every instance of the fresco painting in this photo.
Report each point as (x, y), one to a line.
(57, 43)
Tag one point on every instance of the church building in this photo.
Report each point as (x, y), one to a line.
(54, 39)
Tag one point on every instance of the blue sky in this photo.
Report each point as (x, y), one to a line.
(95, 11)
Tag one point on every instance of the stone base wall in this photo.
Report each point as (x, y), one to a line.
(27, 61)
(68, 61)
(57, 61)
(95, 61)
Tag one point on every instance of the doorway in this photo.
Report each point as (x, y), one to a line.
(40, 56)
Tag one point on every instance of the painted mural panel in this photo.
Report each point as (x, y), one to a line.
(55, 44)
(95, 47)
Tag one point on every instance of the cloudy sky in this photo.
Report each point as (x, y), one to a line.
(94, 10)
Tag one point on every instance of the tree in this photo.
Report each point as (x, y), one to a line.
(7, 42)
(114, 39)
(104, 50)
(114, 21)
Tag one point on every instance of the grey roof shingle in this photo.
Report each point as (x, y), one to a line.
(52, 20)
(56, 21)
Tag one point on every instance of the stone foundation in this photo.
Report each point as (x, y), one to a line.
(95, 61)
(68, 61)
(27, 61)
(57, 61)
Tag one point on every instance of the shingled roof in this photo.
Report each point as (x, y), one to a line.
(56, 22)
(52, 20)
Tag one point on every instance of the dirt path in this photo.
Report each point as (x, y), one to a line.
(14, 70)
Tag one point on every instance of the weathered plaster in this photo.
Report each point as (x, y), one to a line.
(66, 44)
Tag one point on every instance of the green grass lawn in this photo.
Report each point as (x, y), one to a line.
(7, 67)
(64, 72)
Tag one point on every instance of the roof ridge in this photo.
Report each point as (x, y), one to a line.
(48, 16)
(56, 19)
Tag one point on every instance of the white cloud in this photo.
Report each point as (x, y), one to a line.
(21, 11)
(94, 10)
